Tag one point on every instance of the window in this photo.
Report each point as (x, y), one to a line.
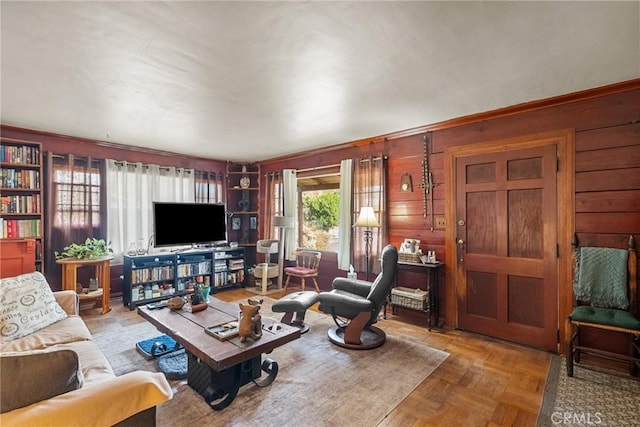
(77, 197)
(319, 199)
(209, 187)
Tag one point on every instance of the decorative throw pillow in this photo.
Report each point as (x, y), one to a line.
(32, 377)
(28, 305)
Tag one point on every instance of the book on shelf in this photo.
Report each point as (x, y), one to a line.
(19, 154)
(223, 331)
(20, 228)
(236, 264)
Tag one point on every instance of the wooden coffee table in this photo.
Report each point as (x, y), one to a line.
(217, 369)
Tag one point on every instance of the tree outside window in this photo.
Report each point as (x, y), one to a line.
(320, 213)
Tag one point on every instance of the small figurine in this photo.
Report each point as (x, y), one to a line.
(250, 322)
(197, 301)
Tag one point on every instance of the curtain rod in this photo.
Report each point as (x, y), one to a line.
(146, 166)
(81, 158)
(134, 164)
(315, 168)
(337, 164)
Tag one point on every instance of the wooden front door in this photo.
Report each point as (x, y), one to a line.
(506, 237)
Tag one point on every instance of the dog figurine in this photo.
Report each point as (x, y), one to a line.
(250, 322)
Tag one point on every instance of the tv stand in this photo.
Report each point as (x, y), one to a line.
(182, 251)
(156, 277)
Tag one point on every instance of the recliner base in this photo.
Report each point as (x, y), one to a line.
(370, 338)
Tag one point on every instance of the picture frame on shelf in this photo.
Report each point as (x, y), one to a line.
(253, 223)
(236, 223)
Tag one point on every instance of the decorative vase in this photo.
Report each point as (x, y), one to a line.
(245, 181)
(132, 251)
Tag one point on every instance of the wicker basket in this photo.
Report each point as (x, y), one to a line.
(409, 297)
(409, 257)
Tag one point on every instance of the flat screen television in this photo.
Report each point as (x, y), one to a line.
(179, 224)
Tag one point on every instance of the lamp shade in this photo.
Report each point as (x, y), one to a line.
(282, 221)
(367, 218)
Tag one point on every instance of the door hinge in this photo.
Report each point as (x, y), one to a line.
(558, 336)
(557, 165)
(557, 250)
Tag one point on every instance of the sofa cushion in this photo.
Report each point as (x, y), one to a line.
(69, 330)
(31, 377)
(94, 364)
(28, 305)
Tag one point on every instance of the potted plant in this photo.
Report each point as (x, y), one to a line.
(91, 249)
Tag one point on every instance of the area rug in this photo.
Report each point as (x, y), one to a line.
(589, 398)
(318, 383)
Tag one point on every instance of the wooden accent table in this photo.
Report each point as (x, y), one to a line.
(433, 270)
(103, 274)
(217, 369)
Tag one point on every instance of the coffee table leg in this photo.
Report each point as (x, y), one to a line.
(222, 388)
(214, 394)
(269, 366)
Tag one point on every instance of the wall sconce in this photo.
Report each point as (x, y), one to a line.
(405, 183)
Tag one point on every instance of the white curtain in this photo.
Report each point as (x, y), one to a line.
(345, 218)
(290, 196)
(131, 190)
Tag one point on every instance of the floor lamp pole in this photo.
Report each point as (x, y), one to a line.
(281, 256)
(368, 239)
(282, 223)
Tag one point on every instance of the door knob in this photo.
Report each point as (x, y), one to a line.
(460, 242)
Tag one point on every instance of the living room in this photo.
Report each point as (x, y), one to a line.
(592, 128)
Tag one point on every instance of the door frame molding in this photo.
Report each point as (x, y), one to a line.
(565, 214)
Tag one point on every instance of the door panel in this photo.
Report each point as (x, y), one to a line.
(482, 235)
(525, 224)
(506, 234)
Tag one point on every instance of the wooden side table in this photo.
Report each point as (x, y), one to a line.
(432, 270)
(103, 274)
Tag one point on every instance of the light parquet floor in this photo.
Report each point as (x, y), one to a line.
(484, 381)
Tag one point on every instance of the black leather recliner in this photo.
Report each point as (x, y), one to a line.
(355, 304)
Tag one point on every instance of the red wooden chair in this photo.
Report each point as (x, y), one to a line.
(307, 264)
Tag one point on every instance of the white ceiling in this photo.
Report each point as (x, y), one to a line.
(248, 81)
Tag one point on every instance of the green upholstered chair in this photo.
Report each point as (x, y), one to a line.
(606, 296)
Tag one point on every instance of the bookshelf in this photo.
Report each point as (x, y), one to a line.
(22, 207)
(156, 277)
(243, 200)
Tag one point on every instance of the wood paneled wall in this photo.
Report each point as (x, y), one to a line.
(63, 144)
(606, 122)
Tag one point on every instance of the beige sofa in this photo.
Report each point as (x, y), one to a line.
(97, 398)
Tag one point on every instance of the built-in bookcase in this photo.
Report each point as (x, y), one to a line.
(21, 206)
(243, 201)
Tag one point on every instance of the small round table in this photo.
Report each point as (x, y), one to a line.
(103, 274)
